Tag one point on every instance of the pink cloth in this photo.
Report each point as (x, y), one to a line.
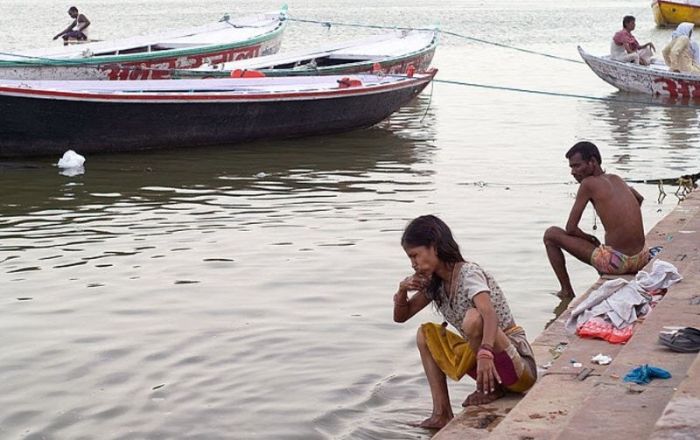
(624, 36)
(602, 329)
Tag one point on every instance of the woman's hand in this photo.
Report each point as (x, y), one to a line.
(415, 282)
(486, 375)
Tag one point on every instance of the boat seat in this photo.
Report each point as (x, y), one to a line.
(349, 56)
(173, 45)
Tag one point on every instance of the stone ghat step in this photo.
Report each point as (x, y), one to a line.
(603, 404)
(619, 410)
(562, 398)
(680, 417)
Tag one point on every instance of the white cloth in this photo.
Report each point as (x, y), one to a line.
(620, 301)
(617, 52)
(663, 275)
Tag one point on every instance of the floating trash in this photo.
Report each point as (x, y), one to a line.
(71, 164)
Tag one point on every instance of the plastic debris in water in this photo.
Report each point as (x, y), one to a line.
(601, 359)
(71, 164)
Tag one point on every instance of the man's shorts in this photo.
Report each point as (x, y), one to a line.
(74, 35)
(609, 261)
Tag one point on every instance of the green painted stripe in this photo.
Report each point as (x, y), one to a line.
(149, 56)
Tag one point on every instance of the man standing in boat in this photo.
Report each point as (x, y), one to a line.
(625, 47)
(617, 205)
(77, 30)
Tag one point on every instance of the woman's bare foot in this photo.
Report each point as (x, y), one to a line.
(477, 398)
(433, 422)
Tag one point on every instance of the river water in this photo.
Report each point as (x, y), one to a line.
(245, 292)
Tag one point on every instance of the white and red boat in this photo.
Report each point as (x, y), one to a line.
(655, 79)
(151, 56)
(391, 52)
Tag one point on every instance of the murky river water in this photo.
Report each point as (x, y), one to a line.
(245, 291)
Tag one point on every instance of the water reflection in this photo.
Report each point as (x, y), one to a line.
(652, 134)
(354, 161)
(627, 120)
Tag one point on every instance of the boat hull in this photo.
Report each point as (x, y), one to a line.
(146, 66)
(668, 13)
(396, 65)
(630, 77)
(31, 126)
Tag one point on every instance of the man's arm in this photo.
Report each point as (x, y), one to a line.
(639, 197)
(68, 29)
(582, 198)
(83, 22)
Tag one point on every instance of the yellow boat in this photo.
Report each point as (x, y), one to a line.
(674, 12)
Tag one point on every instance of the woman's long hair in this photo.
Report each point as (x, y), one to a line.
(428, 230)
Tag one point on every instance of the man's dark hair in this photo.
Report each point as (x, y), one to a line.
(586, 149)
(627, 19)
(72, 9)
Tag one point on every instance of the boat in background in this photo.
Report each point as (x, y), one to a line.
(49, 117)
(671, 13)
(391, 52)
(655, 79)
(143, 57)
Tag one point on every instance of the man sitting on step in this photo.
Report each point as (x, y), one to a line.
(617, 205)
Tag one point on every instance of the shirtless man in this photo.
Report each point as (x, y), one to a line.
(76, 30)
(617, 205)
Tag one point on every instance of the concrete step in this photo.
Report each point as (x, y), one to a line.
(618, 410)
(559, 399)
(563, 402)
(680, 417)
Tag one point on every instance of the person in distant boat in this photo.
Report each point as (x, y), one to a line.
(617, 205)
(625, 47)
(489, 346)
(77, 30)
(682, 54)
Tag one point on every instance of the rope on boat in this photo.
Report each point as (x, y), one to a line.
(563, 95)
(328, 24)
(430, 100)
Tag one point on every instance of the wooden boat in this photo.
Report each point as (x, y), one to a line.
(675, 12)
(655, 79)
(391, 52)
(50, 117)
(143, 57)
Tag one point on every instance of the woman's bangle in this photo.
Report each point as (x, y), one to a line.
(484, 354)
(487, 347)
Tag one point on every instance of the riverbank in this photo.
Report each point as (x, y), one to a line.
(587, 401)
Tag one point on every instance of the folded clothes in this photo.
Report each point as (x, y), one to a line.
(643, 374)
(611, 311)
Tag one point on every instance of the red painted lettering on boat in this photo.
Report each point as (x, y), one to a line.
(667, 85)
(160, 69)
